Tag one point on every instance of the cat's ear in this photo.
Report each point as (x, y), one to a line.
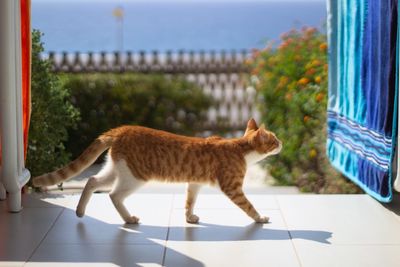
(261, 136)
(251, 126)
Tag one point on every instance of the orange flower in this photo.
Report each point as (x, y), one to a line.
(303, 81)
(306, 118)
(323, 46)
(310, 72)
(283, 45)
(288, 96)
(313, 153)
(319, 97)
(318, 79)
(315, 63)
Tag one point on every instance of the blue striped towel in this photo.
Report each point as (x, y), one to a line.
(362, 120)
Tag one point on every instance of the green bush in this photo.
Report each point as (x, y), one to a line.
(52, 114)
(292, 79)
(109, 100)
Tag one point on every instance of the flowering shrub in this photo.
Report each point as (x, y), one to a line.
(292, 80)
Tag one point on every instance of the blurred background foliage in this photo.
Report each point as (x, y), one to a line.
(69, 111)
(292, 80)
(52, 115)
(106, 101)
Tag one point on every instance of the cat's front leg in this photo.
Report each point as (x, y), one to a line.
(235, 193)
(122, 189)
(117, 200)
(192, 191)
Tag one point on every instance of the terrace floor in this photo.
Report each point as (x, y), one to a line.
(305, 230)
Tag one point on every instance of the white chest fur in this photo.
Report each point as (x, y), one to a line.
(254, 157)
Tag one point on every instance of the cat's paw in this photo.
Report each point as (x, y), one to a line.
(262, 219)
(80, 213)
(132, 220)
(192, 218)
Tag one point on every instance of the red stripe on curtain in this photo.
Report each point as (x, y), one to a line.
(26, 67)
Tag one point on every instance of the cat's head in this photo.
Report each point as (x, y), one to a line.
(263, 141)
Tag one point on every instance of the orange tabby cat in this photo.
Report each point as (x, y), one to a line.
(138, 154)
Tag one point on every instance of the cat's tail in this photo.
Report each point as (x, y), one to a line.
(87, 158)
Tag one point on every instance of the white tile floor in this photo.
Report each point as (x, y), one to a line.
(305, 230)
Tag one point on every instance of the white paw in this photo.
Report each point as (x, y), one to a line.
(262, 219)
(192, 218)
(132, 220)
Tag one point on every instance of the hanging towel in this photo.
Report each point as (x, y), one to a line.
(25, 9)
(362, 36)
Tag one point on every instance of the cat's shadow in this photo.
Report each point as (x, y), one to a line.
(148, 234)
(142, 243)
(216, 232)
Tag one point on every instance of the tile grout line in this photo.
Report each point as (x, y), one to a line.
(287, 229)
(41, 241)
(169, 224)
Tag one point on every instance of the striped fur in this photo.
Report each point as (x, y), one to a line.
(87, 158)
(138, 154)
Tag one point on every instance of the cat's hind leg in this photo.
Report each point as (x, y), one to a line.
(101, 181)
(125, 185)
(192, 191)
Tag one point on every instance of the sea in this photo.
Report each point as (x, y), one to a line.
(134, 25)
